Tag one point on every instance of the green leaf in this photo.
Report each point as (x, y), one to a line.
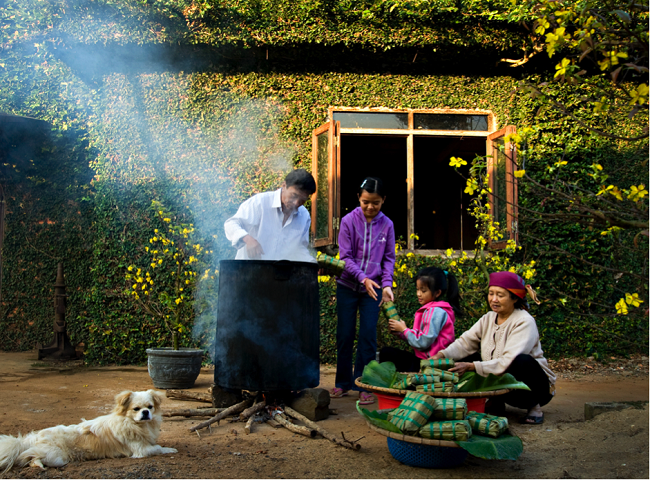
(506, 447)
(472, 382)
(378, 419)
(380, 374)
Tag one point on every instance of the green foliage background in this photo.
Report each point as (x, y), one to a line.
(201, 120)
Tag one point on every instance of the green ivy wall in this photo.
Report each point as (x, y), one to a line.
(201, 137)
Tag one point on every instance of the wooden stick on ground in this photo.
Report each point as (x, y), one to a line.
(249, 424)
(294, 428)
(252, 410)
(185, 395)
(228, 411)
(193, 412)
(352, 445)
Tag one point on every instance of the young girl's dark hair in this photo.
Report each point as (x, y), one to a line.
(372, 185)
(437, 279)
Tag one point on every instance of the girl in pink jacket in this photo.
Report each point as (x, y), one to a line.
(433, 327)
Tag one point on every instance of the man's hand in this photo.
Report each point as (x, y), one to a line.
(253, 248)
(370, 288)
(463, 367)
(396, 326)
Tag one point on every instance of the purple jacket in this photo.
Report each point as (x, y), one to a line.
(368, 250)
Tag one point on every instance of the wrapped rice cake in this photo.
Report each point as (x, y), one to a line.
(414, 412)
(440, 364)
(331, 264)
(414, 379)
(450, 409)
(442, 387)
(488, 425)
(444, 375)
(446, 430)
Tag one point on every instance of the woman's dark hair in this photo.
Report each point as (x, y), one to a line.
(437, 279)
(302, 180)
(372, 185)
(520, 303)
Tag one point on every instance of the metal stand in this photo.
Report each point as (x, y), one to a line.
(61, 348)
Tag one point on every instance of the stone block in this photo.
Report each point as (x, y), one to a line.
(596, 408)
(313, 403)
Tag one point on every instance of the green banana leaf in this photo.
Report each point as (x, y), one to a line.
(381, 374)
(378, 419)
(506, 447)
(472, 382)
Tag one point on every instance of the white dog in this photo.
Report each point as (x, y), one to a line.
(130, 430)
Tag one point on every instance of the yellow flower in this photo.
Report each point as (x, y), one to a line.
(560, 163)
(155, 230)
(637, 193)
(178, 300)
(456, 162)
(561, 68)
(449, 252)
(187, 282)
(394, 285)
(640, 95)
(621, 307)
(410, 254)
(633, 299)
(520, 173)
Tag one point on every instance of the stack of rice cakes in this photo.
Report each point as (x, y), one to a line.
(440, 418)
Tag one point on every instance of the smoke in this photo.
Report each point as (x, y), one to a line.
(187, 135)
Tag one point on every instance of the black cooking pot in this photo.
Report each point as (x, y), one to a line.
(268, 335)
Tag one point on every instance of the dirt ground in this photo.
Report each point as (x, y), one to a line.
(37, 395)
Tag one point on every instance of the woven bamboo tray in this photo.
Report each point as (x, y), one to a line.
(410, 438)
(395, 391)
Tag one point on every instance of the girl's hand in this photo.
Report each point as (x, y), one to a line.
(463, 367)
(387, 295)
(370, 287)
(396, 326)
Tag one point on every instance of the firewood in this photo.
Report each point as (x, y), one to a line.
(273, 423)
(352, 445)
(185, 395)
(252, 410)
(249, 424)
(294, 428)
(228, 411)
(193, 412)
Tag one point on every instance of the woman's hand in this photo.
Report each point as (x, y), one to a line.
(387, 295)
(396, 326)
(438, 356)
(370, 287)
(463, 367)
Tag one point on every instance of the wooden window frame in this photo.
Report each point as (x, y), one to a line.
(334, 146)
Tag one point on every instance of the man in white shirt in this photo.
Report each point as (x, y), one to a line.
(275, 225)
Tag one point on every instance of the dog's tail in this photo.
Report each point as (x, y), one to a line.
(10, 449)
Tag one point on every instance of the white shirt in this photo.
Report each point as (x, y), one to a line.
(261, 217)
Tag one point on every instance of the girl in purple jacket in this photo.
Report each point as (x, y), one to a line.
(367, 244)
(433, 326)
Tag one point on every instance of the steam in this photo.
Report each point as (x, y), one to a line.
(149, 130)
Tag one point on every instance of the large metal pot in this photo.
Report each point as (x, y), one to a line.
(268, 335)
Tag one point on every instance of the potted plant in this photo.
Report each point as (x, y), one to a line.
(162, 289)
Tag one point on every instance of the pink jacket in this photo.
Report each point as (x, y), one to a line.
(433, 329)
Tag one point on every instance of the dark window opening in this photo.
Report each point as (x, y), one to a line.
(376, 156)
(441, 217)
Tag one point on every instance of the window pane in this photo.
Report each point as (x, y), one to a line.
(435, 121)
(322, 189)
(372, 120)
(500, 203)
